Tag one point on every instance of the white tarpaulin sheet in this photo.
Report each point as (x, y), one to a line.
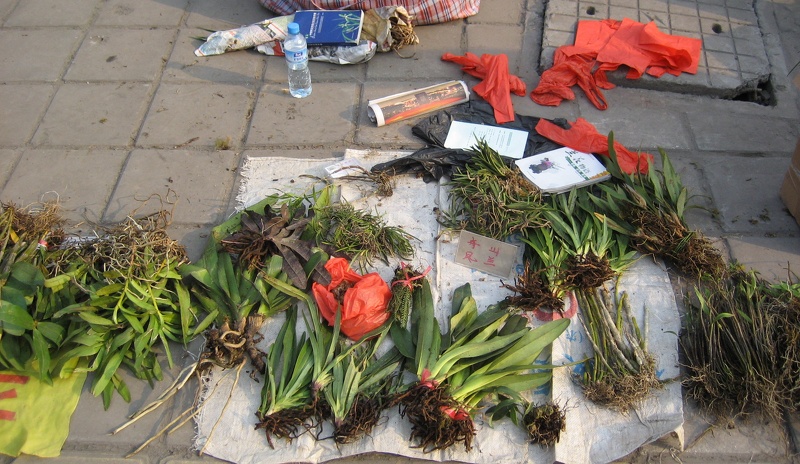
(226, 422)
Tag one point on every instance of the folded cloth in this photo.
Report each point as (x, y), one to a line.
(602, 46)
(583, 136)
(497, 82)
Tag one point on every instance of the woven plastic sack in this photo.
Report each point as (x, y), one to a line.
(422, 11)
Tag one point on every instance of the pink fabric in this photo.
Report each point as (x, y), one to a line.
(422, 11)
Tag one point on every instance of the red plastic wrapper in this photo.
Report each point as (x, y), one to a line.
(497, 84)
(602, 46)
(365, 304)
(583, 136)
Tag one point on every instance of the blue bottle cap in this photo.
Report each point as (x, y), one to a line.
(294, 28)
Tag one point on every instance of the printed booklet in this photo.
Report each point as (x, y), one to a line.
(326, 27)
(561, 170)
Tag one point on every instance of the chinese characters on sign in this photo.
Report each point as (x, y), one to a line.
(486, 254)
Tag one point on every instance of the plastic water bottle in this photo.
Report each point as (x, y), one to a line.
(296, 51)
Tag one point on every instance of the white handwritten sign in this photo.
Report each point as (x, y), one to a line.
(486, 254)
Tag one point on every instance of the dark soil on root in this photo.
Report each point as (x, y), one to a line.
(359, 422)
(431, 428)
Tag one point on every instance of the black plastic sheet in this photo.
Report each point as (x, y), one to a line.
(435, 161)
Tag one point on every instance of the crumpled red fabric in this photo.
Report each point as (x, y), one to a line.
(365, 304)
(497, 83)
(603, 46)
(583, 136)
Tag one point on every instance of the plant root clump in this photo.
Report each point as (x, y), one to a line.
(286, 424)
(623, 391)
(432, 428)
(586, 271)
(544, 424)
(532, 292)
(360, 420)
(42, 223)
(227, 347)
(666, 236)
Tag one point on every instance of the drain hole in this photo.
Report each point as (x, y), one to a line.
(762, 94)
(591, 11)
(716, 28)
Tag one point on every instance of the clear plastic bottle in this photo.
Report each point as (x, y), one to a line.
(296, 51)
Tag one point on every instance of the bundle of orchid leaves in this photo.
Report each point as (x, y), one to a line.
(481, 355)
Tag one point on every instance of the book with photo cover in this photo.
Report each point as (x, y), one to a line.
(326, 27)
(563, 169)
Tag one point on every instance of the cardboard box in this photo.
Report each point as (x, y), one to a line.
(790, 190)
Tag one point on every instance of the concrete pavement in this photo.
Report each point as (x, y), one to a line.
(103, 105)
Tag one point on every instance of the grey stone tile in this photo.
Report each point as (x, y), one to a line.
(60, 175)
(656, 124)
(215, 15)
(735, 132)
(8, 159)
(244, 66)
(721, 60)
(93, 114)
(593, 11)
(563, 8)
(683, 23)
(85, 457)
(487, 39)
(200, 188)
(6, 7)
(425, 61)
(276, 70)
(197, 112)
(745, 192)
(622, 12)
(141, 13)
(106, 54)
(194, 237)
(682, 7)
(29, 55)
(324, 118)
(654, 5)
(715, 12)
(500, 12)
(47, 13)
(774, 258)
(394, 135)
(562, 23)
(718, 43)
(22, 108)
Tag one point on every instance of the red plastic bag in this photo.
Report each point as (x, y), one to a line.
(497, 83)
(583, 136)
(365, 303)
(602, 46)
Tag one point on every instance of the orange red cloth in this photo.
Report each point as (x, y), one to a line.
(497, 84)
(602, 46)
(583, 136)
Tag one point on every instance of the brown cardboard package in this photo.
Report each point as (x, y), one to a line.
(790, 190)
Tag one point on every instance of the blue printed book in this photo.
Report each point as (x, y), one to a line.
(326, 27)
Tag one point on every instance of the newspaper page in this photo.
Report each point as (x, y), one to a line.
(416, 102)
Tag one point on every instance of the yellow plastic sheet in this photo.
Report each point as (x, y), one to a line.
(35, 416)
